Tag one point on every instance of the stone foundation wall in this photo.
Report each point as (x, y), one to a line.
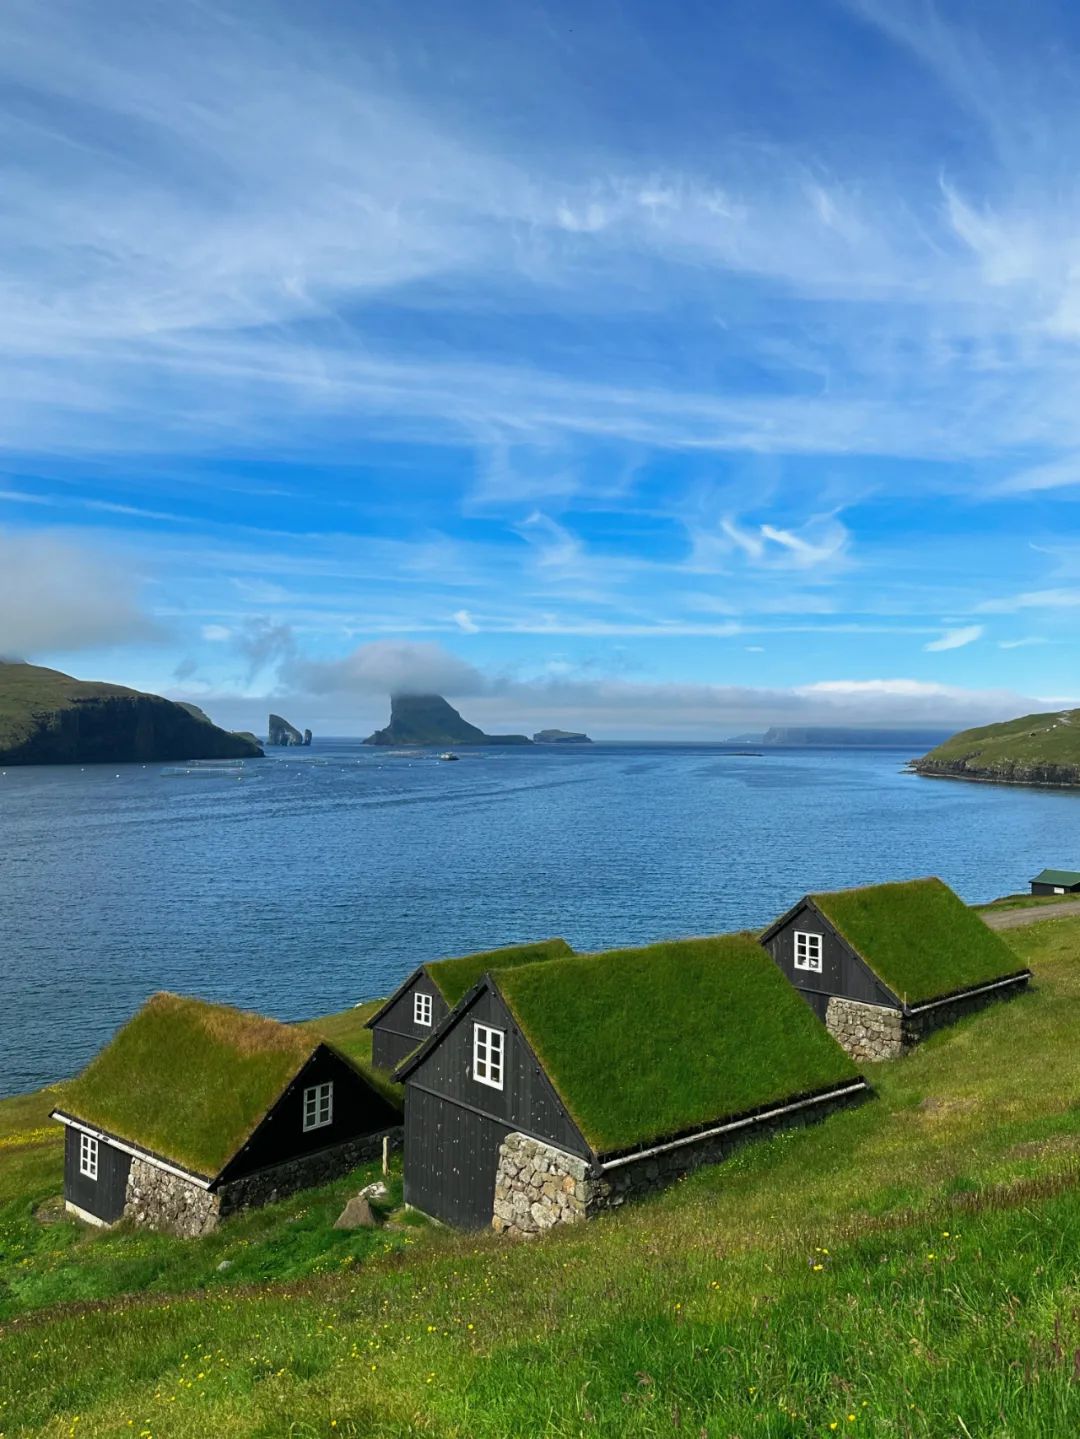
(156, 1199)
(171, 1204)
(867, 1031)
(538, 1186)
(267, 1186)
(871, 1032)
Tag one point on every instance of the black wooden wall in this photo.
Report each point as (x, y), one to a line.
(1038, 888)
(359, 1110)
(104, 1196)
(454, 1125)
(842, 972)
(397, 1034)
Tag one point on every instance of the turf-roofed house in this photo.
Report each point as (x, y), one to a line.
(556, 1090)
(885, 965)
(194, 1110)
(423, 1000)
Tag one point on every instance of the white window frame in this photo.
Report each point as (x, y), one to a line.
(808, 951)
(489, 1055)
(88, 1156)
(421, 1008)
(1059, 889)
(318, 1106)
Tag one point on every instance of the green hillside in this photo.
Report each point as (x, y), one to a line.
(47, 717)
(906, 1270)
(1035, 749)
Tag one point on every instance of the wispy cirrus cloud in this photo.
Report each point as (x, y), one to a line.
(956, 639)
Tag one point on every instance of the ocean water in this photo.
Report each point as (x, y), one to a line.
(319, 878)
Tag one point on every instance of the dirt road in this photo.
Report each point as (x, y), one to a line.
(1015, 918)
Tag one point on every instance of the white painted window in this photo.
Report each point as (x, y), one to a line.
(88, 1156)
(1059, 889)
(318, 1106)
(488, 1055)
(421, 1008)
(808, 951)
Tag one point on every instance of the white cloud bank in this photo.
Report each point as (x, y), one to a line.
(349, 696)
(56, 594)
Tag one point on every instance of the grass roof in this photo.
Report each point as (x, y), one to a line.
(189, 1080)
(455, 977)
(643, 1044)
(919, 937)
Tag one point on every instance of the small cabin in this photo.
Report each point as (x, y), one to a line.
(556, 1090)
(194, 1110)
(886, 964)
(1056, 881)
(423, 1000)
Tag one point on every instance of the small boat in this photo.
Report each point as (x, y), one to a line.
(448, 756)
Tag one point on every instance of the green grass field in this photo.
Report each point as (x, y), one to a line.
(1033, 747)
(909, 1268)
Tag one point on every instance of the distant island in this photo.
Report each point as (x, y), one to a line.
(47, 717)
(430, 720)
(560, 736)
(1035, 749)
(281, 732)
(844, 737)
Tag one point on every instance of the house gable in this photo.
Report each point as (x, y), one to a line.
(843, 971)
(527, 1102)
(358, 1109)
(395, 1032)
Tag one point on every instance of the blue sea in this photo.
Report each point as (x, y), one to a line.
(318, 878)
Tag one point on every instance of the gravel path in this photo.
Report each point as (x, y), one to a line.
(1014, 918)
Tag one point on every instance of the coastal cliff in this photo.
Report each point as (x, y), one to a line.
(430, 720)
(1040, 749)
(47, 717)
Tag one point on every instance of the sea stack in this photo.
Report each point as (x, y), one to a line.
(429, 720)
(281, 732)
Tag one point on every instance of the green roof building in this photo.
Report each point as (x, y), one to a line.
(886, 964)
(556, 1089)
(195, 1109)
(1056, 881)
(425, 997)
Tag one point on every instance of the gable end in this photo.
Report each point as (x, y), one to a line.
(528, 1101)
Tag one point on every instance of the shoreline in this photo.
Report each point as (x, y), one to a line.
(985, 779)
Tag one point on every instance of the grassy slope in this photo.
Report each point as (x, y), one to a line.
(26, 690)
(954, 951)
(235, 1066)
(1024, 746)
(455, 977)
(719, 1005)
(911, 1263)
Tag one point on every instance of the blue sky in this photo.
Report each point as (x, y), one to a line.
(656, 369)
